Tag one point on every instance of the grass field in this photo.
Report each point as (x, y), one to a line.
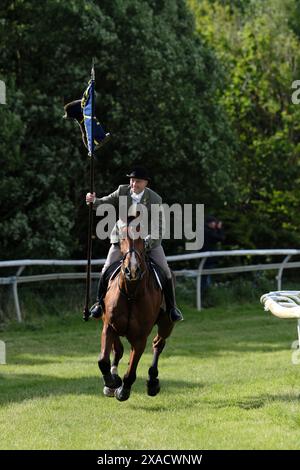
(226, 374)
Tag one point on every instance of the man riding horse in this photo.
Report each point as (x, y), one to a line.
(137, 192)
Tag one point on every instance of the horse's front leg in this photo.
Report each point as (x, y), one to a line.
(118, 350)
(137, 349)
(111, 381)
(165, 327)
(153, 385)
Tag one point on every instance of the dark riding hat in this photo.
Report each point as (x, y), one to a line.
(139, 173)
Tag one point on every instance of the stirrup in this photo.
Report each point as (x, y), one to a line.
(96, 310)
(175, 314)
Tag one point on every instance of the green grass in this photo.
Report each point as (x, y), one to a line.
(226, 375)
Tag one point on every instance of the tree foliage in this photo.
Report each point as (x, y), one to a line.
(260, 53)
(156, 84)
(206, 108)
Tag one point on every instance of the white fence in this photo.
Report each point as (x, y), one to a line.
(19, 278)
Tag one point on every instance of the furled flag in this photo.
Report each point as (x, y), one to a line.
(93, 136)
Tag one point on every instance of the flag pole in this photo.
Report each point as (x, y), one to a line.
(86, 312)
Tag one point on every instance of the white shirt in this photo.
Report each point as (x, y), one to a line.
(136, 198)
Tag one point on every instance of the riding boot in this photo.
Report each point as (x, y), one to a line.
(97, 309)
(169, 292)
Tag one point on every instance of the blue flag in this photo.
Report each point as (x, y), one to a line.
(95, 134)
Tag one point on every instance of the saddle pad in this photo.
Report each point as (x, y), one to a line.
(112, 271)
(158, 274)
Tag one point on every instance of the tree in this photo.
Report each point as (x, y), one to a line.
(259, 52)
(157, 84)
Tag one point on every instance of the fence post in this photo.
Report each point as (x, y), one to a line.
(2, 92)
(280, 272)
(2, 353)
(199, 276)
(15, 293)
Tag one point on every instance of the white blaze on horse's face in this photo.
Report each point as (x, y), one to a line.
(133, 262)
(133, 265)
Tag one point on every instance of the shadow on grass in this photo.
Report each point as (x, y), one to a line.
(16, 388)
(252, 403)
(246, 404)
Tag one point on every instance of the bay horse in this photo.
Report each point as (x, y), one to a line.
(132, 306)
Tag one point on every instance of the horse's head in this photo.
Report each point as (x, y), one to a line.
(132, 249)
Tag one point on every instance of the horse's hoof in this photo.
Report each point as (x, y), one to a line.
(122, 394)
(109, 392)
(153, 387)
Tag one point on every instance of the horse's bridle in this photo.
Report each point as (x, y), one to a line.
(123, 271)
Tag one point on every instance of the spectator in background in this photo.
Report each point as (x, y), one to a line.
(213, 235)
